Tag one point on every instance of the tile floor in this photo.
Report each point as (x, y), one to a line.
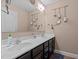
(68, 57)
(59, 56)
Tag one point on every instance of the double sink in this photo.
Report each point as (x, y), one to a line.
(25, 44)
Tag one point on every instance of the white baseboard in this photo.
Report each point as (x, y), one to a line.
(67, 54)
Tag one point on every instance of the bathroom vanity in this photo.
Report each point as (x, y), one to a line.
(38, 47)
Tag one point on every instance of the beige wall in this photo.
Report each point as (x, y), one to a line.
(66, 33)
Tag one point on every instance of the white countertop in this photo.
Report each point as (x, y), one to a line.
(26, 45)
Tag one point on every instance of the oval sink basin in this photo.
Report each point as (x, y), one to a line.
(18, 46)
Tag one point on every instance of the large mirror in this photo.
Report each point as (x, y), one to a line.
(23, 16)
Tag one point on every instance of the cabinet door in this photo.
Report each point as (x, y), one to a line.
(26, 56)
(38, 52)
(46, 52)
(39, 56)
(52, 45)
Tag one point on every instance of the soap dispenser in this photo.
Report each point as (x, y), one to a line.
(9, 39)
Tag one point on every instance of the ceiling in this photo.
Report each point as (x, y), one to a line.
(26, 5)
(47, 2)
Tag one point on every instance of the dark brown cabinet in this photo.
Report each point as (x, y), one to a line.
(43, 51)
